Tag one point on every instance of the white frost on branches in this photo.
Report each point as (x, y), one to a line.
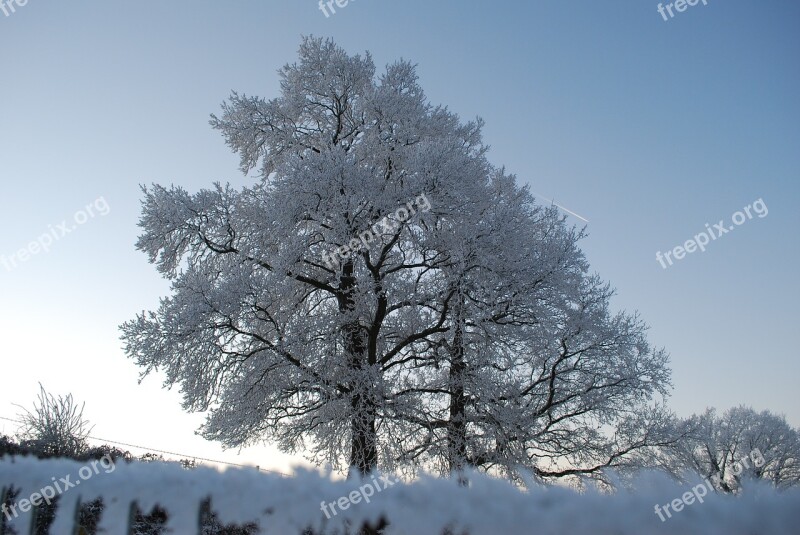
(470, 335)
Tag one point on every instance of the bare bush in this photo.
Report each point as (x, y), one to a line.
(55, 427)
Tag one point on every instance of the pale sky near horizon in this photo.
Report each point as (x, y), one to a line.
(650, 129)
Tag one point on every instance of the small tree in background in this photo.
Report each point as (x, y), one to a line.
(738, 444)
(55, 427)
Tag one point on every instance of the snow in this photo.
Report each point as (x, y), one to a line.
(425, 506)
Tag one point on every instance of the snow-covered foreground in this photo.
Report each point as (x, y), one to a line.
(427, 506)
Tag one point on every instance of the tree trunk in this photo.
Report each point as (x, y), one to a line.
(457, 422)
(364, 439)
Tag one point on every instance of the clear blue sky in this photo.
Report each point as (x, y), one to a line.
(647, 128)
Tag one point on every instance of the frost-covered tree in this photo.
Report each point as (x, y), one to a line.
(576, 395)
(739, 444)
(381, 290)
(268, 328)
(540, 376)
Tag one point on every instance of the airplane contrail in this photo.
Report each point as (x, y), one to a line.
(559, 206)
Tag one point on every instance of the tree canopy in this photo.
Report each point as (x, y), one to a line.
(383, 295)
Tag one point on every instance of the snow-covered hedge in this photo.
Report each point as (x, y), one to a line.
(427, 506)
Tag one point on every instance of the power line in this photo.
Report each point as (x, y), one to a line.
(183, 455)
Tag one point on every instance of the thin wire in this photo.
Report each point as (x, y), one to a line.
(183, 455)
